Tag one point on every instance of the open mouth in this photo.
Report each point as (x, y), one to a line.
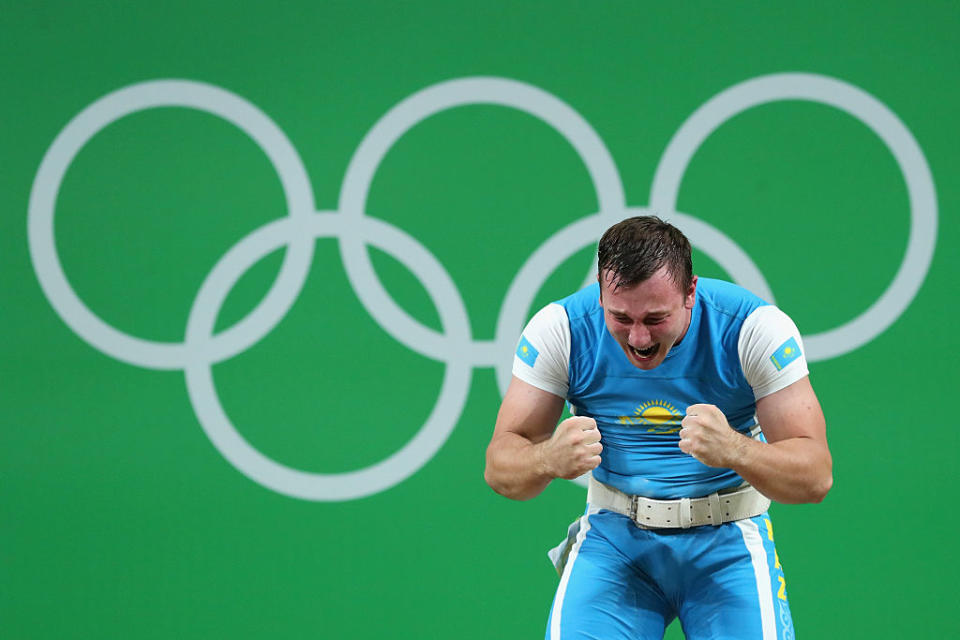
(644, 354)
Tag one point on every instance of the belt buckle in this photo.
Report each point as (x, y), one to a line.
(635, 514)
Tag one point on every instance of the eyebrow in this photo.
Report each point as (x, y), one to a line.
(619, 312)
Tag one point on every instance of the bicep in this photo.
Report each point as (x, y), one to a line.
(792, 412)
(528, 411)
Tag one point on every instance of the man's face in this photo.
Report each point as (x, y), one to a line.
(648, 318)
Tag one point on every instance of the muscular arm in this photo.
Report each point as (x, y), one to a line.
(526, 452)
(793, 466)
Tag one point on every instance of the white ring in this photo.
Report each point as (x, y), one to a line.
(399, 120)
(248, 460)
(79, 131)
(883, 122)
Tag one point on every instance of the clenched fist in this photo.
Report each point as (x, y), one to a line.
(573, 449)
(708, 437)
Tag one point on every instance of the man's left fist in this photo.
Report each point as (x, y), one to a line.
(708, 437)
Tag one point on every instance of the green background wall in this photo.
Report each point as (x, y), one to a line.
(120, 519)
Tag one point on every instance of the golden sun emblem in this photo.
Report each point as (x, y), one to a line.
(657, 415)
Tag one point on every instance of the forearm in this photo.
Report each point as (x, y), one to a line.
(792, 471)
(515, 467)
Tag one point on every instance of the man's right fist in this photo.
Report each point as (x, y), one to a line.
(573, 449)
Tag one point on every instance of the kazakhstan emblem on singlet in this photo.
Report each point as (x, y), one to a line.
(656, 416)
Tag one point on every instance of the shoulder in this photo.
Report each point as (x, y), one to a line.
(585, 320)
(582, 304)
(771, 350)
(544, 350)
(727, 299)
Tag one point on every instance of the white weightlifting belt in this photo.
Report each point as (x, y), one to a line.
(726, 506)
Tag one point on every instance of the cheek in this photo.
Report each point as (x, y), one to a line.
(663, 333)
(616, 327)
(616, 331)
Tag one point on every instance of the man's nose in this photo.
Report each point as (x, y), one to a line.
(639, 335)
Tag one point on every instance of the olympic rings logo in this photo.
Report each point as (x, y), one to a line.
(354, 230)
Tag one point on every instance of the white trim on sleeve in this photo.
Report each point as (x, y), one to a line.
(769, 359)
(546, 365)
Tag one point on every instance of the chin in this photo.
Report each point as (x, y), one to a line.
(650, 364)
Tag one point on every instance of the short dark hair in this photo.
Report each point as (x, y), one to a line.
(636, 248)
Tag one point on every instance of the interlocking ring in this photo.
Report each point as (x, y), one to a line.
(354, 230)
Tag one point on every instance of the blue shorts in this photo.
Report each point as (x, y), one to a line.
(621, 581)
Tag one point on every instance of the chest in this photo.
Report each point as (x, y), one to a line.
(606, 386)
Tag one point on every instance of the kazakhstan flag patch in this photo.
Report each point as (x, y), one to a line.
(787, 353)
(526, 352)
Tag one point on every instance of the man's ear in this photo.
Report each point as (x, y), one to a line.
(691, 295)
